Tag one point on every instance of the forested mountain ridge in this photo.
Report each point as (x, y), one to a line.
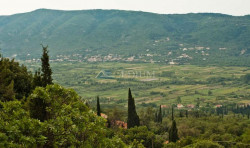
(127, 33)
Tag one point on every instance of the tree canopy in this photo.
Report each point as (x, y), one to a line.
(15, 80)
(69, 122)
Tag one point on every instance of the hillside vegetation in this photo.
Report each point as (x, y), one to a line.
(205, 38)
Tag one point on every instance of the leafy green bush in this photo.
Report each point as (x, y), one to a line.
(68, 122)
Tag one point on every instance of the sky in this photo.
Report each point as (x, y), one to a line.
(232, 7)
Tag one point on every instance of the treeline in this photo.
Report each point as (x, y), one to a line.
(34, 112)
(173, 127)
(198, 127)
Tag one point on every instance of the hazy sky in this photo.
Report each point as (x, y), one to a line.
(233, 7)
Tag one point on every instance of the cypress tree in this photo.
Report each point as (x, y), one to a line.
(172, 112)
(164, 113)
(98, 107)
(46, 70)
(237, 109)
(180, 114)
(133, 118)
(222, 113)
(156, 116)
(186, 114)
(173, 132)
(159, 117)
(108, 123)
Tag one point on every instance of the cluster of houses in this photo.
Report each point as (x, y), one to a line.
(147, 57)
(116, 123)
(188, 106)
(180, 106)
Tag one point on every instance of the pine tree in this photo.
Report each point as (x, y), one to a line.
(173, 132)
(98, 107)
(159, 117)
(133, 118)
(46, 70)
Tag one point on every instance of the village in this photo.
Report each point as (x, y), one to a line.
(148, 57)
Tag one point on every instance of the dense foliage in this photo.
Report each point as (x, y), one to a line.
(15, 80)
(68, 122)
(50, 116)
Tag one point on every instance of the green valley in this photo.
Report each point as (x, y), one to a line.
(153, 83)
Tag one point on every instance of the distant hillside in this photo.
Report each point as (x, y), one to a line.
(203, 37)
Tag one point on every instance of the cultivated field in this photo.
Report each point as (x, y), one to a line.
(153, 83)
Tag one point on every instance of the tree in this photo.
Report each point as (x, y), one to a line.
(142, 135)
(147, 115)
(7, 92)
(156, 116)
(180, 114)
(70, 124)
(22, 80)
(37, 104)
(172, 112)
(37, 80)
(133, 118)
(246, 136)
(98, 107)
(159, 117)
(246, 78)
(197, 103)
(206, 143)
(173, 132)
(179, 100)
(209, 92)
(46, 70)
(19, 129)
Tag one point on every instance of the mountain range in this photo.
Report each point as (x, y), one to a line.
(198, 36)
